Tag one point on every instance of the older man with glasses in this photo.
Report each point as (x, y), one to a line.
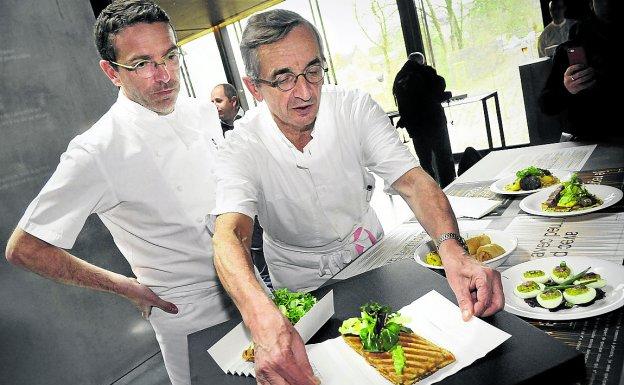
(146, 169)
(301, 161)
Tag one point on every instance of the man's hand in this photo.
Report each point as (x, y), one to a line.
(280, 355)
(144, 298)
(578, 77)
(477, 287)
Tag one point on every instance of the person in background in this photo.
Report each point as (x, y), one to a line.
(225, 98)
(300, 160)
(556, 32)
(583, 85)
(145, 168)
(419, 92)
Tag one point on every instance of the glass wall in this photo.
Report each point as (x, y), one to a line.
(366, 44)
(477, 45)
(204, 65)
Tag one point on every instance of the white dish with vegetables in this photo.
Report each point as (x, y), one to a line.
(499, 244)
(560, 289)
(571, 197)
(528, 181)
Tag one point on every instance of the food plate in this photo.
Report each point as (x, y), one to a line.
(533, 203)
(611, 272)
(499, 186)
(505, 240)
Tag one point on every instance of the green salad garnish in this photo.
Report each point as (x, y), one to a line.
(378, 328)
(293, 305)
(531, 170)
(573, 191)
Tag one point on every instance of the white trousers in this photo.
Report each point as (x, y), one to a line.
(196, 313)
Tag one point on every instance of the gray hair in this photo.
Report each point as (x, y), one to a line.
(269, 27)
(417, 57)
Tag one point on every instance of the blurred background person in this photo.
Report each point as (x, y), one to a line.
(557, 31)
(225, 98)
(419, 92)
(583, 85)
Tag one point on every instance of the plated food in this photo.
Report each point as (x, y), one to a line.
(611, 272)
(532, 178)
(570, 195)
(394, 350)
(560, 288)
(570, 198)
(528, 180)
(293, 305)
(487, 246)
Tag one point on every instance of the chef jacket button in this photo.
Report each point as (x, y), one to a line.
(179, 188)
(158, 154)
(200, 219)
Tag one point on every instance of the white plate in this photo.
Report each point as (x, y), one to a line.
(533, 203)
(505, 240)
(499, 186)
(614, 290)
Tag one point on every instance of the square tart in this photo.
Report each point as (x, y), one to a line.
(422, 358)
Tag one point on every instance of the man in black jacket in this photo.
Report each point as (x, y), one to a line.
(584, 90)
(419, 92)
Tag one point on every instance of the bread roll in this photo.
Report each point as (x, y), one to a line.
(489, 251)
(475, 242)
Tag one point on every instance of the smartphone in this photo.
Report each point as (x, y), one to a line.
(576, 55)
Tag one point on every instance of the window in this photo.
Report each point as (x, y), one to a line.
(366, 45)
(204, 65)
(477, 46)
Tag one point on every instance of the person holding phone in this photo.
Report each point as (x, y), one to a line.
(579, 75)
(582, 84)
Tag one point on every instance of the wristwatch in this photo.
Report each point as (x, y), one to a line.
(455, 236)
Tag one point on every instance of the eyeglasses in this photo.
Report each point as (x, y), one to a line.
(285, 82)
(147, 68)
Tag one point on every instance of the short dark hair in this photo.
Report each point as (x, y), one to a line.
(119, 15)
(229, 90)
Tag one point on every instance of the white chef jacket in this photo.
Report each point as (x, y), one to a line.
(150, 180)
(314, 205)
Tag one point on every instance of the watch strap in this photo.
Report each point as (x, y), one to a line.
(447, 236)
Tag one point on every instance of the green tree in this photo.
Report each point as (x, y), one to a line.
(381, 12)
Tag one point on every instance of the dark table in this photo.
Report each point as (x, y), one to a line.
(530, 356)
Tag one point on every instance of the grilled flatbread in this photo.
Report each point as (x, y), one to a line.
(422, 358)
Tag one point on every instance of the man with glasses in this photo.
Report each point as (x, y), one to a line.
(300, 161)
(145, 168)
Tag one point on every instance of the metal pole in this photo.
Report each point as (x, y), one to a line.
(329, 57)
(424, 15)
